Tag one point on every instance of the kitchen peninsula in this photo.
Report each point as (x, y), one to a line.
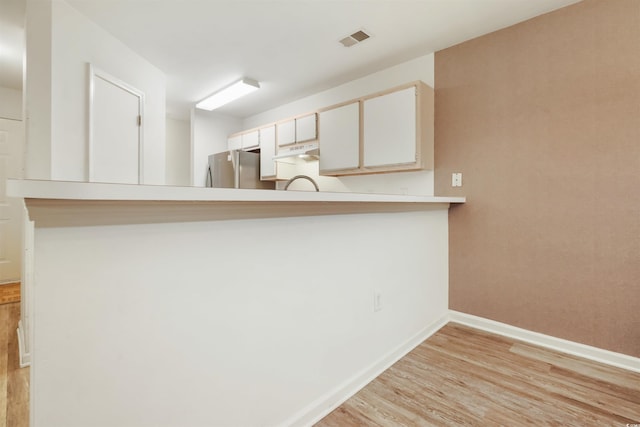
(164, 306)
(53, 203)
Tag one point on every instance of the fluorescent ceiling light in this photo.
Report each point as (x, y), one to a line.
(228, 94)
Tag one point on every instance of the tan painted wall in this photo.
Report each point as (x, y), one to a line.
(543, 120)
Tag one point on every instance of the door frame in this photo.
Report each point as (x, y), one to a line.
(97, 73)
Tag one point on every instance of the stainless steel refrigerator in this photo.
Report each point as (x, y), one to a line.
(236, 169)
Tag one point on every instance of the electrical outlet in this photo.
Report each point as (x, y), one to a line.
(377, 301)
(456, 179)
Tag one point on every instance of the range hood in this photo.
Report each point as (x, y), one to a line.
(310, 149)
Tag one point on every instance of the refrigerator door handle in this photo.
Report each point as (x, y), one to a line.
(209, 181)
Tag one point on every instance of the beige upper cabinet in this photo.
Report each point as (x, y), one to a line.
(395, 133)
(339, 131)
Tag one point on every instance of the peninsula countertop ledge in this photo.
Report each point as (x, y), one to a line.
(61, 203)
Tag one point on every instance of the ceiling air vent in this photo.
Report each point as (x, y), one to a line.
(357, 37)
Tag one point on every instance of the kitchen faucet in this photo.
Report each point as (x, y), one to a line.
(308, 178)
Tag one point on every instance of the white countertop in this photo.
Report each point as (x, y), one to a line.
(68, 204)
(65, 190)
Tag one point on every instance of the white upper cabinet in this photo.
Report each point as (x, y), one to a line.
(390, 129)
(267, 151)
(286, 132)
(339, 131)
(306, 129)
(244, 141)
(297, 130)
(250, 140)
(397, 133)
(234, 142)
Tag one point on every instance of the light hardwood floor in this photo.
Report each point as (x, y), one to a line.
(462, 376)
(14, 381)
(9, 292)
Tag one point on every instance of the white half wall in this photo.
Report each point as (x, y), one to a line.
(178, 150)
(61, 42)
(415, 183)
(209, 131)
(229, 323)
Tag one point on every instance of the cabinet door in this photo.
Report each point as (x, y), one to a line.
(390, 129)
(250, 140)
(340, 138)
(234, 142)
(267, 151)
(286, 132)
(306, 128)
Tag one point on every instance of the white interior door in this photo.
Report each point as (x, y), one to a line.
(11, 209)
(115, 147)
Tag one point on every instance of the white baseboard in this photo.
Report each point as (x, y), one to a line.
(321, 407)
(24, 357)
(565, 346)
(9, 282)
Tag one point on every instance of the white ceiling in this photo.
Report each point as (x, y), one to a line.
(290, 46)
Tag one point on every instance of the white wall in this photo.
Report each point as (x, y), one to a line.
(209, 131)
(229, 323)
(414, 183)
(421, 68)
(13, 151)
(38, 90)
(58, 99)
(11, 208)
(10, 103)
(178, 150)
